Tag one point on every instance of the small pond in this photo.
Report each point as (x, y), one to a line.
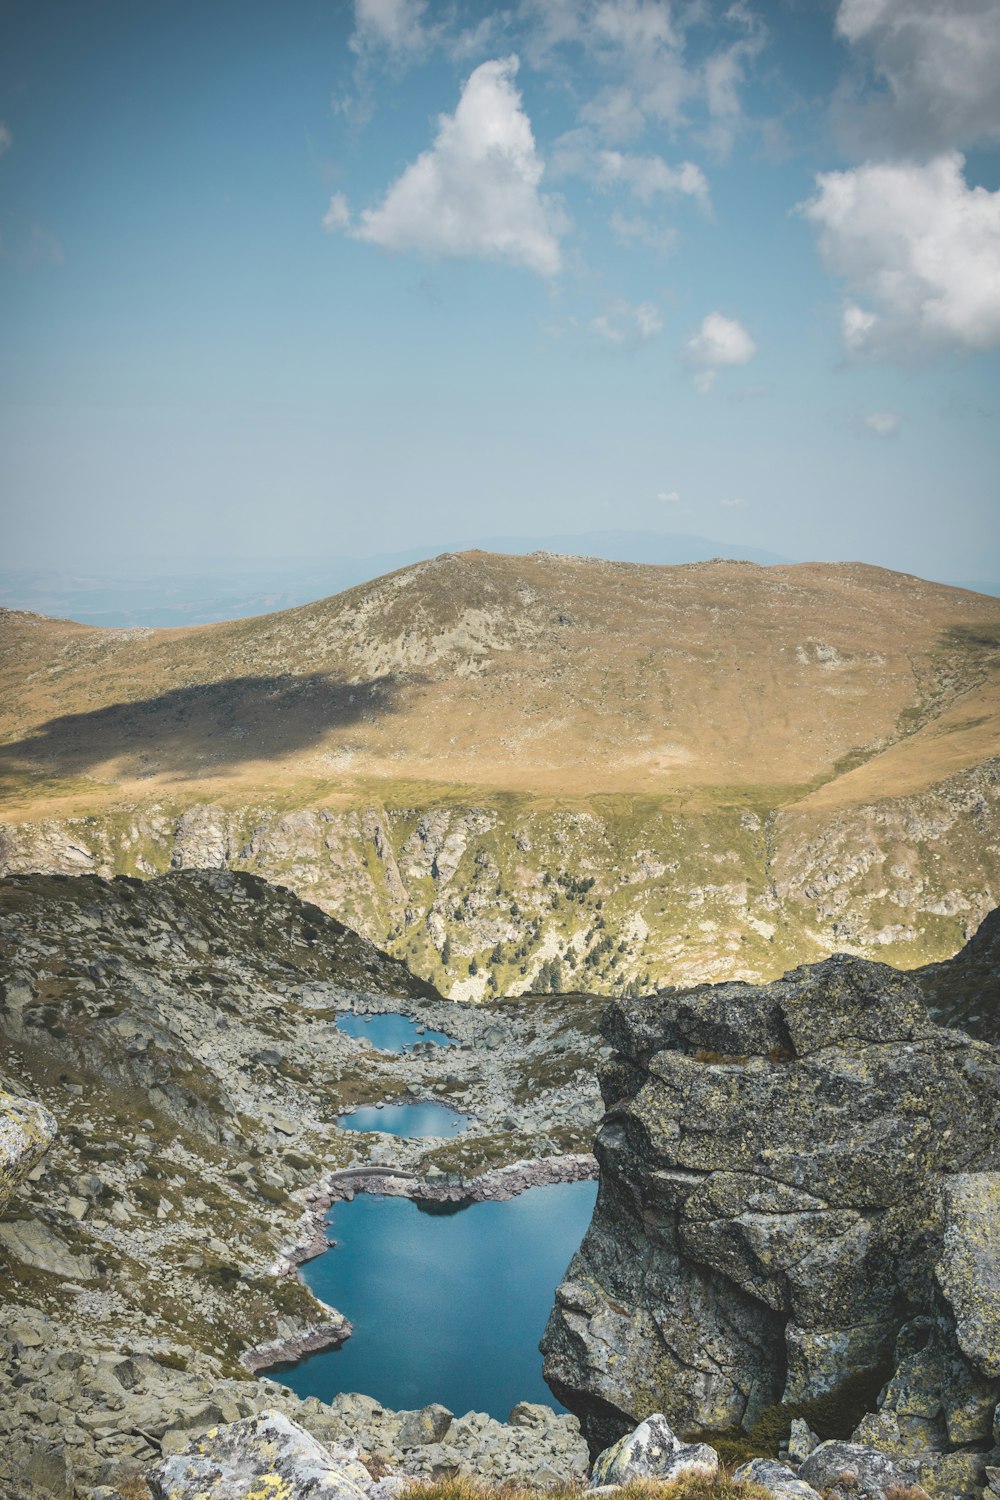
(425, 1118)
(391, 1032)
(445, 1306)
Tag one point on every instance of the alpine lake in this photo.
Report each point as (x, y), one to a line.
(448, 1300)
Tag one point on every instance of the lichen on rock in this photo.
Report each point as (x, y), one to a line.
(26, 1132)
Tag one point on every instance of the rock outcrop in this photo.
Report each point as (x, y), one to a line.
(26, 1132)
(792, 1178)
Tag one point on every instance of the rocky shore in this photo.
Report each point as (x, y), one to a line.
(181, 1035)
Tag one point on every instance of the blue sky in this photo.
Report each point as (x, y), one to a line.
(334, 278)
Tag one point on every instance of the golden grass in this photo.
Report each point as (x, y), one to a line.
(721, 1486)
(488, 675)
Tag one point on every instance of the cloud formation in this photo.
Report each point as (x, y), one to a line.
(938, 62)
(639, 46)
(919, 253)
(476, 191)
(884, 424)
(6, 139)
(625, 324)
(719, 342)
(396, 25)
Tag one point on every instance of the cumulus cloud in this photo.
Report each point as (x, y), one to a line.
(6, 139)
(719, 342)
(669, 497)
(919, 253)
(640, 48)
(884, 424)
(625, 324)
(937, 61)
(476, 191)
(732, 501)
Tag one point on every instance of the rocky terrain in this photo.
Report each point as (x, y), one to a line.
(797, 1218)
(180, 1033)
(546, 773)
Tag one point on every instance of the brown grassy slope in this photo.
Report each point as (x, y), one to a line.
(541, 674)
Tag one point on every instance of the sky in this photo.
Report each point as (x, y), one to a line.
(313, 279)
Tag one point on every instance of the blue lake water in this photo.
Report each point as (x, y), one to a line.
(446, 1306)
(391, 1032)
(425, 1118)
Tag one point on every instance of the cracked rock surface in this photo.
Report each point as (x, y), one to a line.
(782, 1169)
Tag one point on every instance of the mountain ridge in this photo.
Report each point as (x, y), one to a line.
(712, 745)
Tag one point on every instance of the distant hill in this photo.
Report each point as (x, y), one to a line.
(749, 765)
(220, 591)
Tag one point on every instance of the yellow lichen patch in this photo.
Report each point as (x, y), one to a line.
(269, 1487)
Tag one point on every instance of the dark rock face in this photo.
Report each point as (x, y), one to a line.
(782, 1169)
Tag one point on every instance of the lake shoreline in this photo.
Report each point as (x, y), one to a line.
(497, 1185)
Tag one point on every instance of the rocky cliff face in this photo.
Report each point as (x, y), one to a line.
(624, 894)
(798, 1185)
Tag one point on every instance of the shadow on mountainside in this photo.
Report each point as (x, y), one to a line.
(202, 729)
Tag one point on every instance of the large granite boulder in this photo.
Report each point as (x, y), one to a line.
(784, 1169)
(263, 1456)
(26, 1132)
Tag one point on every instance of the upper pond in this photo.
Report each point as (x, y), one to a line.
(425, 1118)
(447, 1303)
(391, 1032)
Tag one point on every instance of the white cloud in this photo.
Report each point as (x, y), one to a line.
(476, 191)
(938, 62)
(669, 497)
(732, 502)
(338, 215)
(396, 25)
(919, 252)
(719, 342)
(639, 47)
(624, 324)
(6, 139)
(646, 176)
(884, 424)
(578, 154)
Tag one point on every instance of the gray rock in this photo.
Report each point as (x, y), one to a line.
(851, 1471)
(428, 1425)
(969, 1270)
(652, 1451)
(266, 1454)
(772, 1163)
(801, 1441)
(777, 1478)
(531, 1414)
